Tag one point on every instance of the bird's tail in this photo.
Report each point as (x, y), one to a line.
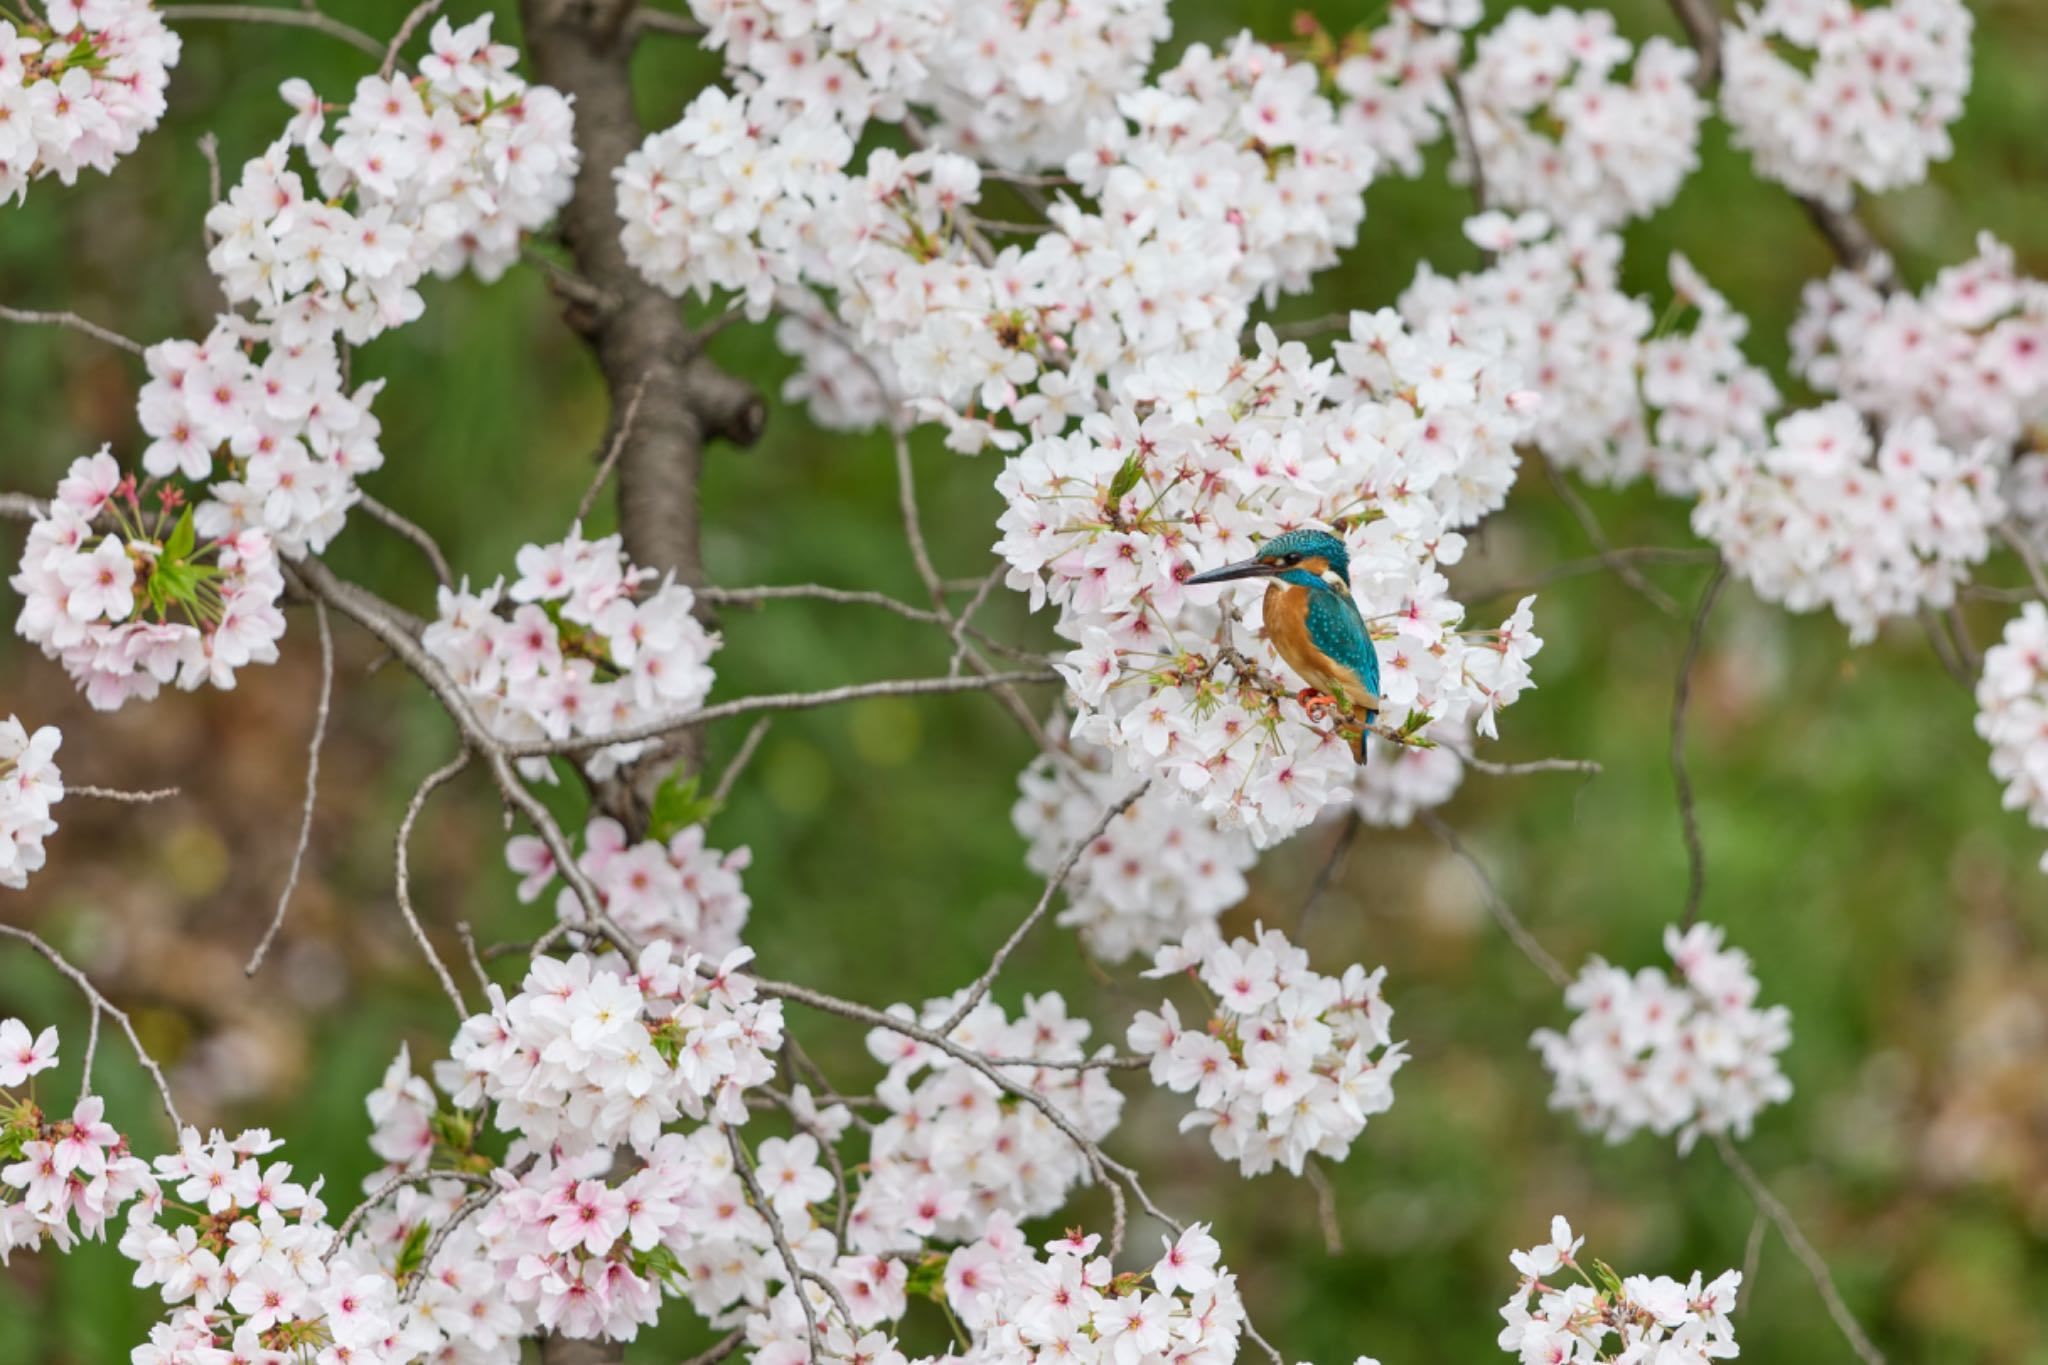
(1359, 750)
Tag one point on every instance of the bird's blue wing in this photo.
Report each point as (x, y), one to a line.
(1335, 627)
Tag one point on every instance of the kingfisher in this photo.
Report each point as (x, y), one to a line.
(1312, 621)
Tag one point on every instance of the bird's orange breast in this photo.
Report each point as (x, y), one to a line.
(1287, 627)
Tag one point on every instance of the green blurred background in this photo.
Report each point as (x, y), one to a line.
(1854, 838)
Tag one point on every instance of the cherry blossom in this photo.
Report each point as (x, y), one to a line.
(1829, 96)
(2012, 713)
(122, 589)
(680, 890)
(30, 784)
(581, 643)
(1291, 1065)
(1689, 1054)
(1969, 352)
(1155, 873)
(1828, 515)
(1605, 1316)
(1553, 127)
(1620, 399)
(79, 86)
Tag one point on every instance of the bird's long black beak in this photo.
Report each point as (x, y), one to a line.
(1244, 568)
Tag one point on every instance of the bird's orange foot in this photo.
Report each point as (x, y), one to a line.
(1317, 704)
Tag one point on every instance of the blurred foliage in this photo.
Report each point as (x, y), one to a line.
(1854, 837)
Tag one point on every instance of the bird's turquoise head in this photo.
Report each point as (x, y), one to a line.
(1307, 558)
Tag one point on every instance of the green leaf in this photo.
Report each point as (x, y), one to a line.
(452, 1129)
(928, 1277)
(178, 548)
(1127, 477)
(678, 804)
(658, 1263)
(414, 1250)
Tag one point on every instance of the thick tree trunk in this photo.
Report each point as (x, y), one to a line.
(651, 362)
(647, 352)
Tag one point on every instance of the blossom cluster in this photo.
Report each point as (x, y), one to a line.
(61, 1179)
(679, 890)
(585, 1057)
(1692, 1054)
(1014, 86)
(2012, 713)
(1228, 178)
(1607, 1317)
(119, 586)
(1405, 439)
(1969, 352)
(587, 647)
(1619, 401)
(1398, 781)
(956, 1147)
(1156, 872)
(1291, 1064)
(1829, 96)
(432, 173)
(280, 438)
(1827, 515)
(1396, 79)
(79, 87)
(30, 784)
(1555, 128)
(1071, 1304)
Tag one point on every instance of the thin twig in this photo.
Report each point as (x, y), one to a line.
(1502, 912)
(1774, 1209)
(100, 1002)
(1688, 814)
(775, 701)
(399, 633)
(92, 1047)
(476, 963)
(412, 531)
(731, 776)
(22, 507)
(744, 1164)
(432, 782)
(291, 881)
(1340, 852)
(419, 15)
(1326, 1206)
(980, 988)
(261, 14)
(611, 456)
(1590, 524)
(1945, 649)
(125, 797)
(958, 630)
(456, 1219)
(1573, 568)
(75, 323)
(724, 1347)
(648, 19)
(1752, 1256)
(2018, 541)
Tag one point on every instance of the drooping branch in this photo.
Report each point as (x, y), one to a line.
(320, 713)
(100, 1004)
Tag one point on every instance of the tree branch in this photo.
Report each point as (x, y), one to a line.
(75, 323)
(1688, 814)
(291, 881)
(99, 1002)
(261, 14)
